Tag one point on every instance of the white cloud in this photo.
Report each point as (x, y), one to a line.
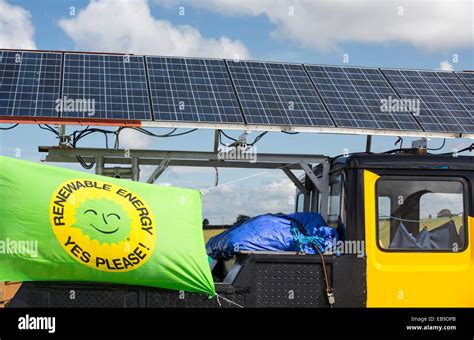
(325, 25)
(128, 26)
(446, 66)
(16, 29)
(132, 139)
(260, 197)
(178, 171)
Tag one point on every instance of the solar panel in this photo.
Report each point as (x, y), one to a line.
(29, 83)
(105, 86)
(445, 105)
(468, 79)
(277, 94)
(359, 98)
(192, 90)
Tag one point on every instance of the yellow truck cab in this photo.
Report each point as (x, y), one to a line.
(415, 215)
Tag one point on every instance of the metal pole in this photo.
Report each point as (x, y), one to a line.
(368, 145)
(99, 165)
(135, 169)
(216, 140)
(62, 135)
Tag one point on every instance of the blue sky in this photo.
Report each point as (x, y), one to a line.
(382, 34)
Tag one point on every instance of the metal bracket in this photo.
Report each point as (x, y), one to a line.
(420, 143)
(62, 135)
(132, 172)
(158, 170)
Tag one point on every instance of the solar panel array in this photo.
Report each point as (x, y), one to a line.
(468, 79)
(192, 90)
(216, 91)
(29, 83)
(445, 105)
(360, 98)
(277, 94)
(105, 86)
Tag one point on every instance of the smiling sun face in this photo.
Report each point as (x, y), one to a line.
(103, 220)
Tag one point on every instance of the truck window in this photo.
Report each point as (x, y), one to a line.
(300, 202)
(384, 220)
(334, 204)
(421, 214)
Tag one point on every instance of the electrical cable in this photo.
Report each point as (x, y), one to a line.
(48, 128)
(84, 164)
(10, 127)
(257, 138)
(216, 182)
(236, 140)
(148, 133)
(229, 137)
(398, 150)
(442, 146)
(220, 139)
(470, 148)
(302, 230)
(399, 140)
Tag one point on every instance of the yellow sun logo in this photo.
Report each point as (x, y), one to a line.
(102, 225)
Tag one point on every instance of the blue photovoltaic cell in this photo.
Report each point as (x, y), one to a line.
(277, 94)
(113, 85)
(445, 103)
(192, 90)
(355, 98)
(468, 79)
(29, 83)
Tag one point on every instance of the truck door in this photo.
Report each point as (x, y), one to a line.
(418, 241)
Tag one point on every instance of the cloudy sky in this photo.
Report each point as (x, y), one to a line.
(400, 34)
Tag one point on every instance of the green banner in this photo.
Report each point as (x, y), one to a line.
(61, 224)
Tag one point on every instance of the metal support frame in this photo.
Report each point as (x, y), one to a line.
(99, 165)
(368, 145)
(164, 159)
(307, 196)
(295, 181)
(135, 169)
(158, 171)
(179, 158)
(132, 172)
(62, 135)
(216, 140)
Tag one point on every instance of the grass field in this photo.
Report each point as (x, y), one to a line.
(384, 227)
(208, 233)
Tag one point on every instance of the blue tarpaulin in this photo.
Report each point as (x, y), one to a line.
(273, 233)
